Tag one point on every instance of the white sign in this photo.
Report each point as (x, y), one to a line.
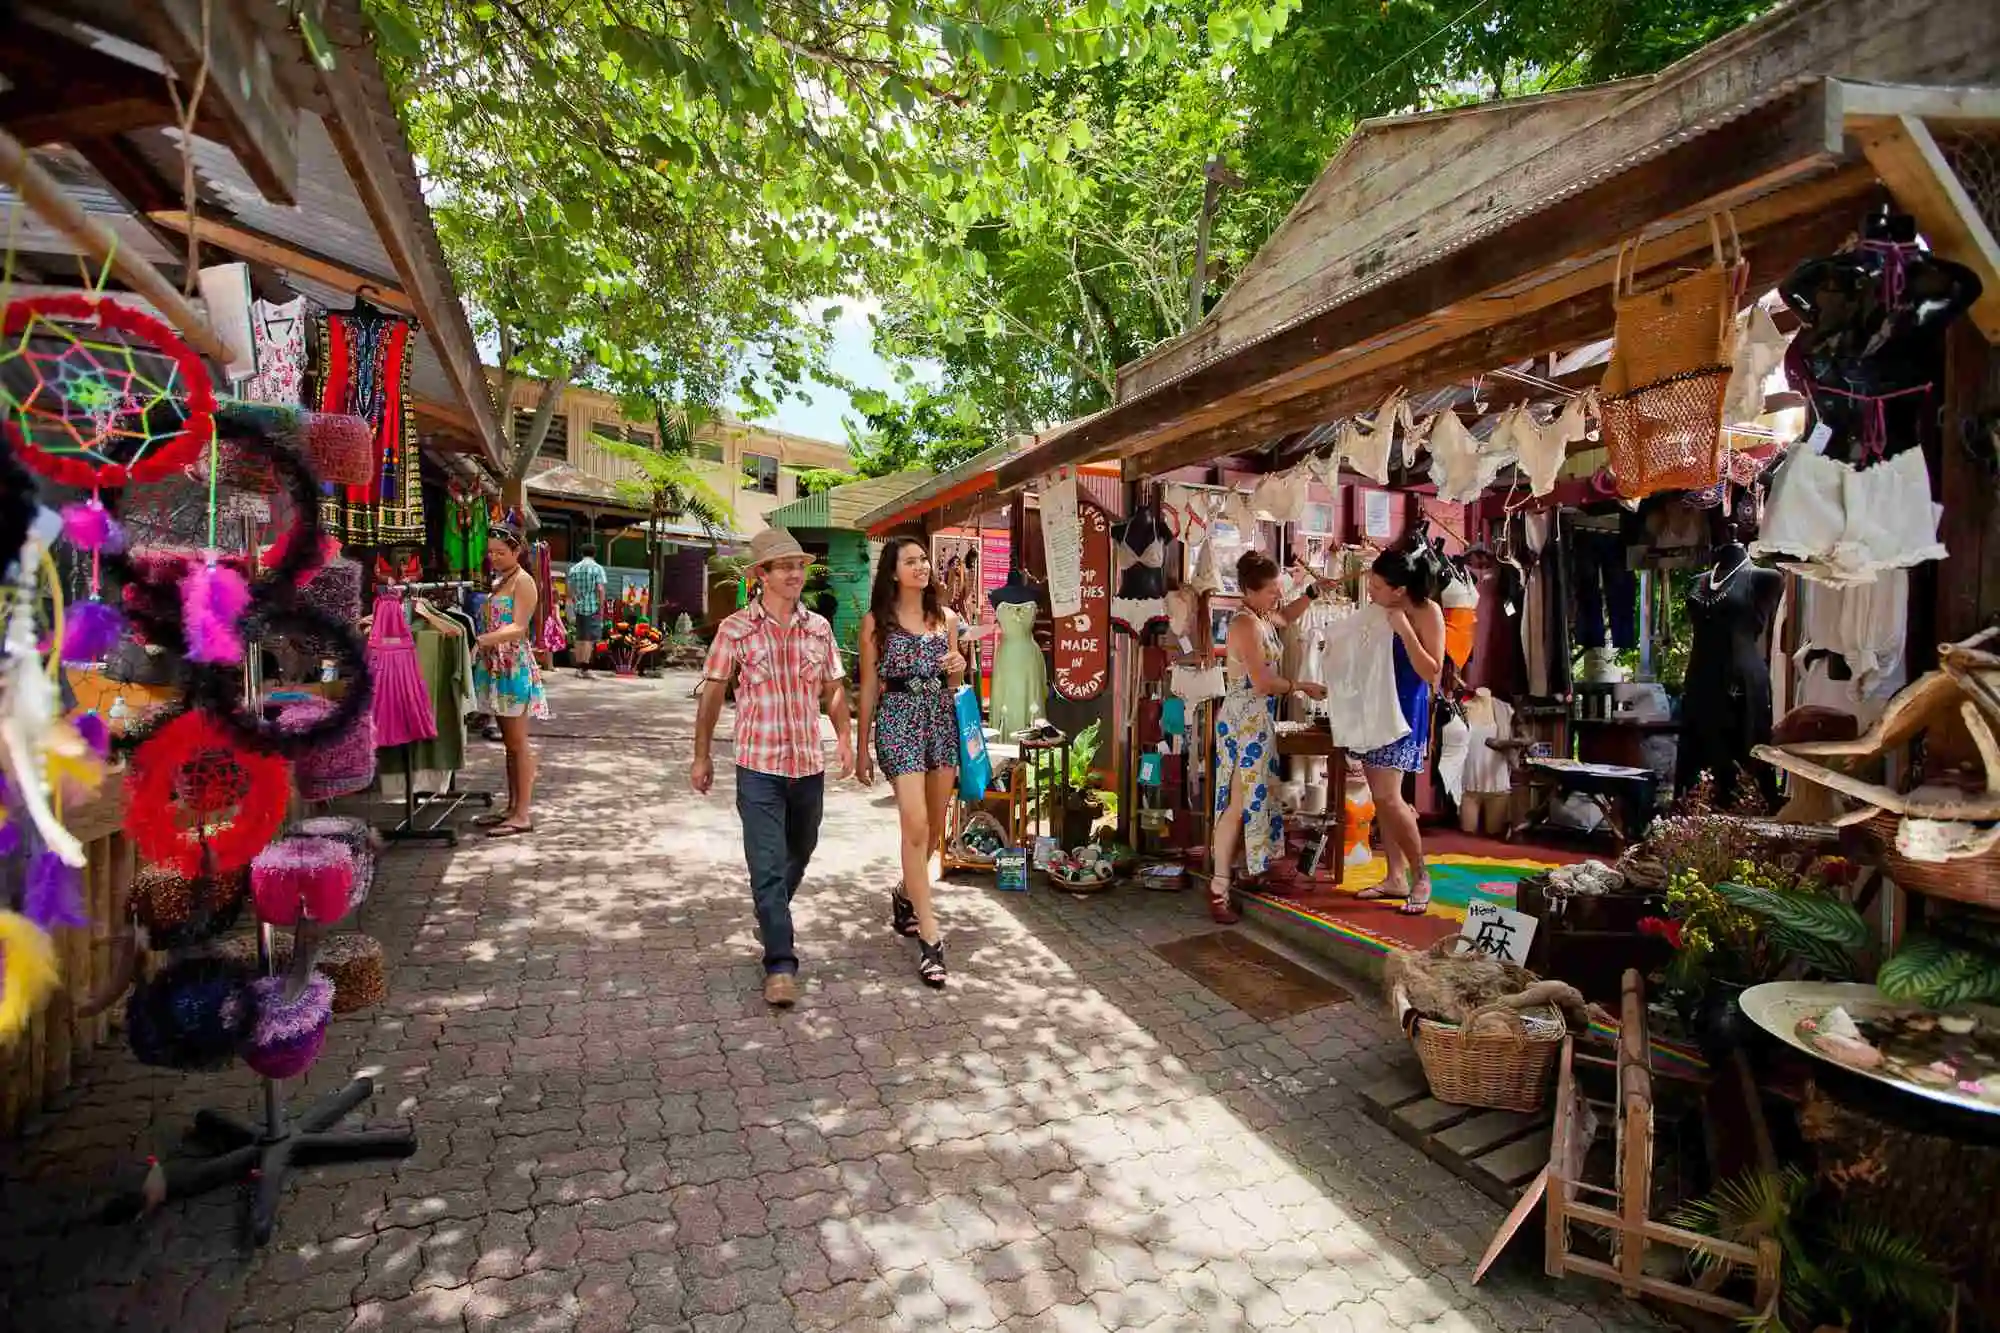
(1497, 931)
(1376, 521)
(1062, 547)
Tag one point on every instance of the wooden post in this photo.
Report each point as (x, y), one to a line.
(46, 197)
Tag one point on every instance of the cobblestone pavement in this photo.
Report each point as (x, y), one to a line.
(616, 1134)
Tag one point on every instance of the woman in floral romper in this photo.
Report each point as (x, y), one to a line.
(910, 670)
(1246, 732)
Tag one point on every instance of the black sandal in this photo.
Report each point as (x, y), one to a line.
(930, 963)
(903, 913)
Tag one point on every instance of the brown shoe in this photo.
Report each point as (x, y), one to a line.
(781, 989)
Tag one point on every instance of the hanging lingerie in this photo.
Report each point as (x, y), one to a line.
(1760, 350)
(1367, 447)
(1842, 525)
(1281, 497)
(1461, 469)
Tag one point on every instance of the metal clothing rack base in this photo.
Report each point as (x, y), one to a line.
(416, 803)
(264, 1156)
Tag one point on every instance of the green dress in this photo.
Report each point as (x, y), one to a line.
(1020, 677)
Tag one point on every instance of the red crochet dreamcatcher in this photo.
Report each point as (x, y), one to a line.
(94, 394)
(194, 792)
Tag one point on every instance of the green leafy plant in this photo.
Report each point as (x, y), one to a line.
(1835, 1269)
(1813, 927)
(1938, 972)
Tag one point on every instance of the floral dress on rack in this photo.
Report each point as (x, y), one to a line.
(1246, 742)
(506, 679)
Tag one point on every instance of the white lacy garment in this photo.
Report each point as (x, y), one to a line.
(1834, 524)
(1359, 669)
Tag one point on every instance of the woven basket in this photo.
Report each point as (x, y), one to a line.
(1490, 1060)
(1969, 879)
(1667, 330)
(1667, 436)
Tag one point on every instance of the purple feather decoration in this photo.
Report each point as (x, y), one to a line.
(212, 600)
(88, 525)
(96, 734)
(90, 631)
(10, 837)
(55, 894)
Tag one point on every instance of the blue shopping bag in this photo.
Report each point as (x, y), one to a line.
(975, 766)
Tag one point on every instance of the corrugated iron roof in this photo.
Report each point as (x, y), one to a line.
(843, 507)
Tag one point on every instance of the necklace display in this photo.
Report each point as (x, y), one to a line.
(1715, 584)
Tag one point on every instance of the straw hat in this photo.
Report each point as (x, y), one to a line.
(773, 544)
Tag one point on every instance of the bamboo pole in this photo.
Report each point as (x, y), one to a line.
(43, 194)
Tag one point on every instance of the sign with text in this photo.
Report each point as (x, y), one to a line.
(1062, 544)
(1498, 932)
(1083, 641)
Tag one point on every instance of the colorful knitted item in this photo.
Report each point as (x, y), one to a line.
(302, 875)
(361, 841)
(342, 765)
(178, 912)
(286, 1035)
(192, 1015)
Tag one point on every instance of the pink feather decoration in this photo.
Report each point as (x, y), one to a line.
(313, 874)
(88, 525)
(54, 896)
(212, 600)
(90, 631)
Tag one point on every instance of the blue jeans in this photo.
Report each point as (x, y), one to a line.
(780, 829)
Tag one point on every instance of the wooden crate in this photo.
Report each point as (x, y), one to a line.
(42, 1063)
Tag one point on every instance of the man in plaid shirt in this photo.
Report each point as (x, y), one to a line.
(786, 666)
(586, 580)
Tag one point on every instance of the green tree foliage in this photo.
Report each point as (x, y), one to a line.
(1049, 263)
(920, 428)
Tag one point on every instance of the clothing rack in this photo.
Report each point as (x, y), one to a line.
(416, 803)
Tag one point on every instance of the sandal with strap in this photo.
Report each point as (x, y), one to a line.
(930, 963)
(1384, 892)
(902, 913)
(1419, 900)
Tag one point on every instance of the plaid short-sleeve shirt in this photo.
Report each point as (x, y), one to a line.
(781, 671)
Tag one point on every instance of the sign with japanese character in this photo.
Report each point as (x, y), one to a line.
(1497, 932)
(1082, 641)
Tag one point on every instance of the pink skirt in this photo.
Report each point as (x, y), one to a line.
(403, 712)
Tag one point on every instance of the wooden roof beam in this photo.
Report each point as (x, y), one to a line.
(286, 257)
(1578, 319)
(1783, 142)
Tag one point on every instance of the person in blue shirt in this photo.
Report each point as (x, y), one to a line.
(586, 605)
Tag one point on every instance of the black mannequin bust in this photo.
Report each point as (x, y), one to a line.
(1726, 696)
(1871, 354)
(1018, 588)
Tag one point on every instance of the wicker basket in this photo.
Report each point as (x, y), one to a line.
(1968, 879)
(1677, 326)
(1667, 436)
(1491, 1060)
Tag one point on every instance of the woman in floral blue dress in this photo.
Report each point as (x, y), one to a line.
(1246, 731)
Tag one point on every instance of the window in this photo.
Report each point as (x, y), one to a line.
(555, 444)
(638, 435)
(760, 474)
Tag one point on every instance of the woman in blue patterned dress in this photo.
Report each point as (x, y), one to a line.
(1246, 732)
(1402, 587)
(910, 670)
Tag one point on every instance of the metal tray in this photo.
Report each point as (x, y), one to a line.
(1778, 1006)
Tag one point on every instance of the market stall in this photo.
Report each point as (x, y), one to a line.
(1680, 389)
(246, 451)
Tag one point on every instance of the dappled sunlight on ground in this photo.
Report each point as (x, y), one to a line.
(617, 1134)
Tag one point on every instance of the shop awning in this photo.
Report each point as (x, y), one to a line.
(1437, 246)
(843, 507)
(968, 487)
(302, 171)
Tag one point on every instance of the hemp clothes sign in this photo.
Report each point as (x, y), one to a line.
(1083, 640)
(1062, 534)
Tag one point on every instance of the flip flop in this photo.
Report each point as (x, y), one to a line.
(1383, 893)
(1417, 906)
(488, 821)
(509, 830)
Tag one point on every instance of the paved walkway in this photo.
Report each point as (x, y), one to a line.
(616, 1134)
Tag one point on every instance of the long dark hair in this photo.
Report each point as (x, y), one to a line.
(882, 597)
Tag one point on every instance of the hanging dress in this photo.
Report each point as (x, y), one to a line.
(1246, 744)
(506, 679)
(1020, 678)
(403, 712)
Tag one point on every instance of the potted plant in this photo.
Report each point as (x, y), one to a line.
(1085, 802)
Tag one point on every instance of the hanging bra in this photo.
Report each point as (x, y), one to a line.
(1458, 465)
(1281, 497)
(1367, 447)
